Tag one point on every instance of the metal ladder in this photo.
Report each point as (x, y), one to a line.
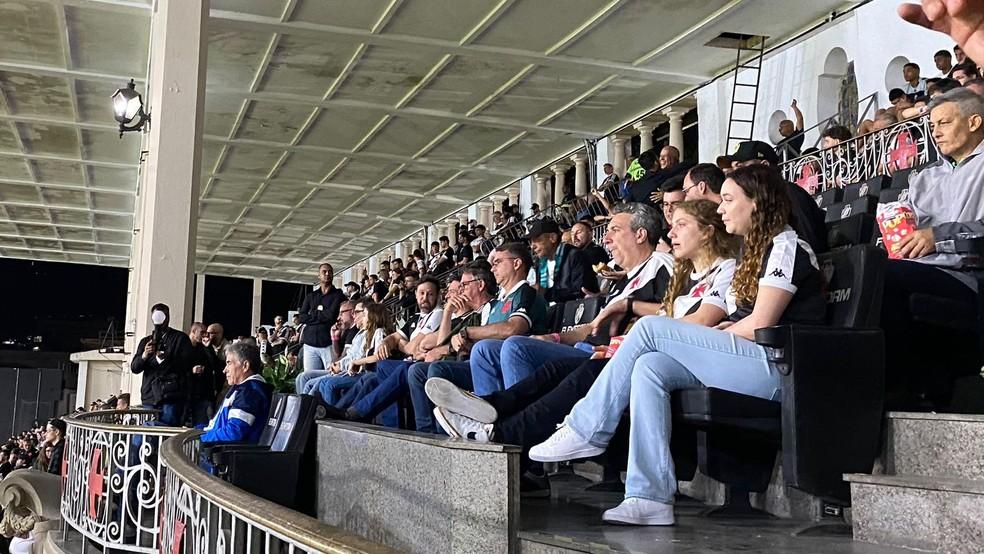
(744, 95)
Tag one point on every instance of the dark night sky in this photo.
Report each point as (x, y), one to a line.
(67, 302)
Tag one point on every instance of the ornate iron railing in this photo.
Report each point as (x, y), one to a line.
(204, 514)
(906, 144)
(111, 476)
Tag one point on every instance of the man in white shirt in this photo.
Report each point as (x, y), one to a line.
(914, 84)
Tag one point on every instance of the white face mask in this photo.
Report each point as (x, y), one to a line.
(158, 317)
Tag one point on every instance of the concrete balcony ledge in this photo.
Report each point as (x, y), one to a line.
(416, 492)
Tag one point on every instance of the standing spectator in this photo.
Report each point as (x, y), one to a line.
(352, 290)
(164, 358)
(535, 212)
(611, 178)
(318, 313)
(914, 84)
(944, 63)
(482, 245)
(463, 253)
(202, 381)
(792, 142)
(214, 337)
(54, 438)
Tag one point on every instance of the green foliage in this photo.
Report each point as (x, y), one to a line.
(280, 374)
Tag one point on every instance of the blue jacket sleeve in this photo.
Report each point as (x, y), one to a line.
(248, 409)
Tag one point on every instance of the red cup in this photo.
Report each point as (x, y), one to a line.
(613, 345)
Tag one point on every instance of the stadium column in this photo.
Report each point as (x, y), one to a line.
(580, 160)
(618, 143)
(257, 301)
(542, 181)
(163, 259)
(675, 115)
(645, 128)
(449, 229)
(559, 170)
(199, 298)
(513, 194)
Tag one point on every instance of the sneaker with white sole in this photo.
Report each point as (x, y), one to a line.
(640, 511)
(562, 446)
(447, 395)
(461, 427)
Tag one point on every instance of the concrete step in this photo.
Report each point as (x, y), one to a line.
(928, 513)
(935, 445)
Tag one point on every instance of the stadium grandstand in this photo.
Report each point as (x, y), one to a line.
(567, 276)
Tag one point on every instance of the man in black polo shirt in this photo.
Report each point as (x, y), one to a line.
(164, 358)
(318, 313)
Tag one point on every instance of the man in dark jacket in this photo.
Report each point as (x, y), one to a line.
(165, 359)
(808, 218)
(562, 271)
(318, 313)
(644, 189)
(202, 381)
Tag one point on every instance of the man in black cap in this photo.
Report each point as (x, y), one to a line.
(808, 218)
(352, 290)
(562, 272)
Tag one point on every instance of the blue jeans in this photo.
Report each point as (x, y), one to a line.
(366, 382)
(302, 383)
(202, 411)
(331, 387)
(458, 373)
(380, 400)
(658, 356)
(497, 365)
(315, 357)
(171, 414)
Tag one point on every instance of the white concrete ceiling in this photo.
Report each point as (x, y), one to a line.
(336, 127)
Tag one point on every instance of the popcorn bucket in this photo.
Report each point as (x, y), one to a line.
(613, 345)
(896, 220)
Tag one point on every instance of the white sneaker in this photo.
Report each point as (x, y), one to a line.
(640, 511)
(563, 445)
(447, 395)
(461, 427)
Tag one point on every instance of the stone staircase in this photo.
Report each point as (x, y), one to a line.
(931, 494)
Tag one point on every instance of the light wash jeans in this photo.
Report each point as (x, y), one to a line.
(499, 364)
(658, 356)
(303, 382)
(315, 358)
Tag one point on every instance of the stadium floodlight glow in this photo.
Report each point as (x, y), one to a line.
(128, 109)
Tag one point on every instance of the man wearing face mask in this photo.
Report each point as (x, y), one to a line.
(165, 359)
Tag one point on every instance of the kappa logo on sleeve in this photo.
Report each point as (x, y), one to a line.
(778, 272)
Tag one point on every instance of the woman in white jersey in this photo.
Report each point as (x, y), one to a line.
(776, 282)
(529, 411)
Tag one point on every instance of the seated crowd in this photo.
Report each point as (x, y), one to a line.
(700, 259)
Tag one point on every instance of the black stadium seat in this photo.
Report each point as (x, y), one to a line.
(829, 197)
(900, 179)
(852, 230)
(871, 187)
(580, 312)
(829, 420)
(272, 469)
(893, 195)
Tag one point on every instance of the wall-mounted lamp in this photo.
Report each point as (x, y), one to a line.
(128, 109)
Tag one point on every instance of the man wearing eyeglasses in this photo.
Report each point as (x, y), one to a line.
(516, 310)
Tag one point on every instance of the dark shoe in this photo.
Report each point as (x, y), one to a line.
(534, 486)
(352, 415)
(327, 411)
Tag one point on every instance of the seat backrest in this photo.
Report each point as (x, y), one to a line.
(277, 406)
(580, 312)
(871, 187)
(893, 195)
(295, 423)
(853, 278)
(829, 197)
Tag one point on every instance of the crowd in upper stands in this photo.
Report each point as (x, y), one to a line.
(37, 448)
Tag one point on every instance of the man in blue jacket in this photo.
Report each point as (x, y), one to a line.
(244, 411)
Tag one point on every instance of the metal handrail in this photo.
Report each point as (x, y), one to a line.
(824, 124)
(111, 477)
(903, 145)
(201, 510)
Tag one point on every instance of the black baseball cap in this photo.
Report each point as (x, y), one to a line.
(352, 284)
(755, 150)
(541, 226)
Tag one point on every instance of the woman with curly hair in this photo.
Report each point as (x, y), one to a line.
(777, 282)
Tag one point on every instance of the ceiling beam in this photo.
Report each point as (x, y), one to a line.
(53, 71)
(274, 25)
(68, 159)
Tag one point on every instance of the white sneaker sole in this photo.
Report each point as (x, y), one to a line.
(538, 455)
(624, 520)
(445, 394)
(445, 424)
